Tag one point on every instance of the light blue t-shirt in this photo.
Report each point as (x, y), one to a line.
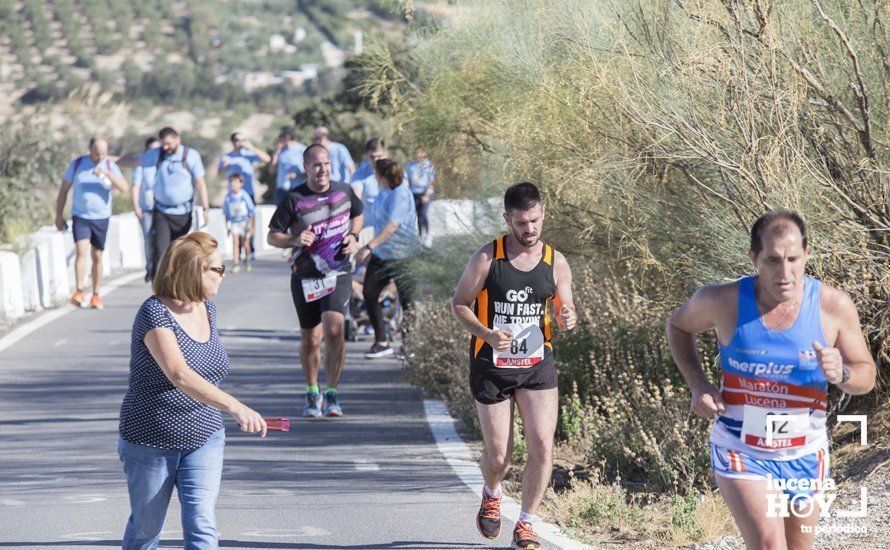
(91, 201)
(363, 171)
(238, 207)
(174, 190)
(241, 162)
(420, 175)
(290, 161)
(364, 182)
(396, 205)
(341, 161)
(144, 177)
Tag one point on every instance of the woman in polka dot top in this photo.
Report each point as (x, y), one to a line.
(171, 428)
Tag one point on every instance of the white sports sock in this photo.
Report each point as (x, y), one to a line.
(492, 492)
(525, 517)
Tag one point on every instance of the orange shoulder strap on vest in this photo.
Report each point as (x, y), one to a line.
(500, 248)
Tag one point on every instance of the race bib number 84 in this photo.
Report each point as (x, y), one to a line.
(526, 349)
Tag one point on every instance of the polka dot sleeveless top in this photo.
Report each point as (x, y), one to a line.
(155, 412)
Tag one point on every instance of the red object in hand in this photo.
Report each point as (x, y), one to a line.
(277, 424)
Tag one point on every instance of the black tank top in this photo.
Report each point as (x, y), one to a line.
(517, 301)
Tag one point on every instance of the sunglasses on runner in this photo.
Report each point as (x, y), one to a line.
(221, 270)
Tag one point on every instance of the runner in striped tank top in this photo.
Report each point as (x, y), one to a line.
(503, 300)
(783, 338)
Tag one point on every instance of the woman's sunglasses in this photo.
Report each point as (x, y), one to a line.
(221, 270)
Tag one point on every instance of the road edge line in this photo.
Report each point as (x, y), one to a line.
(50, 315)
(458, 455)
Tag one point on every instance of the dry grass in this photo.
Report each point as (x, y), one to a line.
(606, 514)
(658, 131)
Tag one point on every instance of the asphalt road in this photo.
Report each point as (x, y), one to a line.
(372, 479)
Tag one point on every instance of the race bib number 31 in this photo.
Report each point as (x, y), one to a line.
(316, 289)
(787, 431)
(526, 349)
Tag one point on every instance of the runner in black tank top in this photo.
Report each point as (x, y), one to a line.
(515, 301)
(503, 300)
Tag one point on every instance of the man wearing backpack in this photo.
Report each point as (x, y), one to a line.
(92, 178)
(179, 178)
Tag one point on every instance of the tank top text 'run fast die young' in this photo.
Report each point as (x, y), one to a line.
(515, 301)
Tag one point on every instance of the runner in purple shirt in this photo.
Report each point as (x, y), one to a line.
(320, 219)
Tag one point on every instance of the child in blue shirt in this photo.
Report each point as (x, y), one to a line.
(238, 209)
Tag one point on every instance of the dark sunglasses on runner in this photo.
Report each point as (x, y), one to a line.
(221, 270)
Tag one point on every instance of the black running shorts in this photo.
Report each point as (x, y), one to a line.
(309, 313)
(490, 387)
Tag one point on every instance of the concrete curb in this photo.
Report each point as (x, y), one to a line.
(41, 274)
(461, 460)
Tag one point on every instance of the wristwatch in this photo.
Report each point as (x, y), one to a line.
(846, 376)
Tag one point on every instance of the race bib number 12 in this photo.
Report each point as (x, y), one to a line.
(788, 426)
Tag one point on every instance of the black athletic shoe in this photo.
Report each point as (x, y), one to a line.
(488, 520)
(379, 350)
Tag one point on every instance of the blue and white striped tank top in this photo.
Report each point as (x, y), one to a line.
(773, 373)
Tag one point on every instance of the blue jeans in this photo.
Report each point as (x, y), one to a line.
(145, 222)
(151, 476)
(423, 215)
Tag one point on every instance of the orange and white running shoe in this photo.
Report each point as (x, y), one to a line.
(78, 299)
(488, 520)
(524, 537)
(96, 302)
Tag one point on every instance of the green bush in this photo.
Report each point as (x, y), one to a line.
(658, 132)
(684, 515)
(657, 150)
(33, 10)
(32, 161)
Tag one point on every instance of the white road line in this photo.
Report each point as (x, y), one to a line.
(85, 499)
(60, 342)
(459, 457)
(365, 465)
(20, 332)
(88, 535)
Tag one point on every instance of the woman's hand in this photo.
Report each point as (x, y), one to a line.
(249, 420)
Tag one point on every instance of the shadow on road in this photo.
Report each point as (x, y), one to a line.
(172, 543)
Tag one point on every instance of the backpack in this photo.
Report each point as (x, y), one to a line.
(185, 152)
